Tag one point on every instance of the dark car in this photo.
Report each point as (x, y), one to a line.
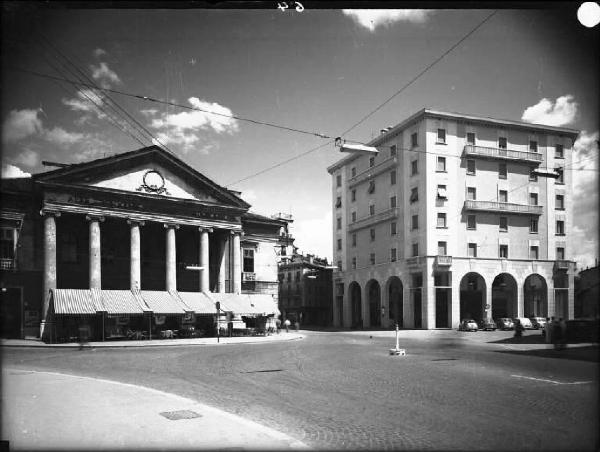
(467, 325)
(487, 325)
(505, 323)
(537, 322)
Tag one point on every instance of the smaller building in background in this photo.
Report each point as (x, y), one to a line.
(587, 296)
(305, 290)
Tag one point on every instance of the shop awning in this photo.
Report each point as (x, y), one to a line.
(198, 302)
(121, 302)
(161, 302)
(236, 303)
(264, 303)
(75, 301)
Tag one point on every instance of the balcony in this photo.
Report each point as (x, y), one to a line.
(503, 207)
(248, 276)
(561, 265)
(502, 154)
(413, 261)
(373, 219)
(373, 171)
(7, 264)
(443, 261)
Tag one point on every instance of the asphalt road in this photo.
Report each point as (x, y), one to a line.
(344, 390)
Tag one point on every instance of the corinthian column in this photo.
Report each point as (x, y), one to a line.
(95, 259)
(204, 260)
(135, 272)
(49, 258)
(237, 263)
(171, 258)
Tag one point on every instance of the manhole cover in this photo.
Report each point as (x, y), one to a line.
(181, 414)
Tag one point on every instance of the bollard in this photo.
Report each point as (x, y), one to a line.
(397, 351)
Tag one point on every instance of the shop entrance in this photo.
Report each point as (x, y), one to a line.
(504, 297)
(536, 296)
(472, 296)
(11, 312)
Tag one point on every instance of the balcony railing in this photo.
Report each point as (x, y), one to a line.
(504, 154)
(443, 261)
(7, 264)
(372, 171)
(493, 206)
(561, 265)
(373, 219)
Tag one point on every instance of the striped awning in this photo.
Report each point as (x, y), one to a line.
(162, 302)
(122, 302)
(198, 302)
(75, 301)
(264, 303)
(236, 303)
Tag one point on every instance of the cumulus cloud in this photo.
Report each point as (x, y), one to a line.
(103, 74)
(559, 113)
(28, 157)
(373, 18)
(58, 135)
(20, 124)
(184, 128)
(11, 171)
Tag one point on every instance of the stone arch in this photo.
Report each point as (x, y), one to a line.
(535, 296)
(356, 320)
(472, 296)
(505, 295)
(395, 292)
(374, 302)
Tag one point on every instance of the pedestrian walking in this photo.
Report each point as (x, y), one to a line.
(287, 324)
(278, 325)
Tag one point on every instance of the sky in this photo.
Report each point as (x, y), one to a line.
(317, 70)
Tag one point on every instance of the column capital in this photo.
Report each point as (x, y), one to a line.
(170, 225)
(202, 229)
(240, 233)
(94, 218)
(132, 222)
(48, 212)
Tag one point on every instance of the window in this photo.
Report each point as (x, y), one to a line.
(441, 220)
(393, 177)
(502, 171)
(560, 253)
(534, 252)
(441, 192)
(533, 146)
(248, 260)
(415, 249)
(392, 202)
(371, 187)
(559, 152)
(372, 234)
(441, 164)
(339, 244)
(414, 167)
(393, 228)
(338, 180)
(472, 250)
(339, 223)
(393, 255)
(503, 224)
(353, 195)
(372, 258)
(471, 138)
(353, 171)
(68, 248)
(533, 177)
(414, 142)
(471, 222)
(441, 136)
(502, 142)
(503, 196)
(353, 216)
(471, 193)
(353, 263)
(561, 178)
(393, 150)
(414, 194)
(503, 252)
(533, 199)
(371, 162)
(560, 202)
(415, 222)
(338, 202)
(339, 266)
(354, 239)
(470, 166)
(560, 227)
(533, 225)
(442, 248)
(372, 209)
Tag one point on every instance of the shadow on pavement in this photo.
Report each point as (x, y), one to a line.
(586, 353)
(525, 339)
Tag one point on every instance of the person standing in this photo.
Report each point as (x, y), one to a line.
(278, 325)
(287, 324)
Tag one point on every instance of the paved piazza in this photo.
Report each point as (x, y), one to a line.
(342, 390)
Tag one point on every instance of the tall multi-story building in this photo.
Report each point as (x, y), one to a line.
(456, 216)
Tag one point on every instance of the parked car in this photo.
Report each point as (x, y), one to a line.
(487, 325)
(467, 325)
(524, 321)
(537, 322)
(505, 323)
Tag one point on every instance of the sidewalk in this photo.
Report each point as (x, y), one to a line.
(107, 415)
(157, 342)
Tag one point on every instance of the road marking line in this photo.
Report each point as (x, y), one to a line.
(553, 381)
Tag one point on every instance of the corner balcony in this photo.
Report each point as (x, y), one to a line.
(373, 171)
(443, 261)
(373, 219)
(503, 207)
(502, 154)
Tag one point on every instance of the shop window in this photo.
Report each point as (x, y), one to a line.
(248, 260)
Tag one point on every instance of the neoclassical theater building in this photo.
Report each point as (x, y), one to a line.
(137, 242)
(455, 216)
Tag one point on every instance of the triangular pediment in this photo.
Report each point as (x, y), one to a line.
(151, 171)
